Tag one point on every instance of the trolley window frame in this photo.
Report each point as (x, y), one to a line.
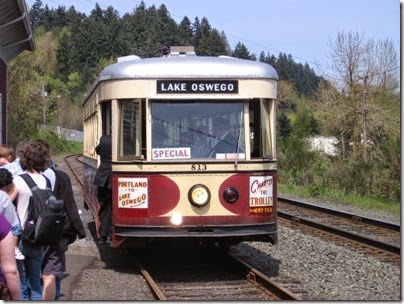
(125, 132)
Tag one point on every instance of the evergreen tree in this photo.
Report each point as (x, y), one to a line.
(168, 35)
(36, 14)
(285, 126)
(184, 33)
(242, 52)
(64, 54)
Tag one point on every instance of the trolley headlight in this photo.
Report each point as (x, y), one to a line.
(199, 195)
(176, 219)
(230, 195)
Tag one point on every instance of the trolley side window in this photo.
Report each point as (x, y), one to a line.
(262, 128)
(130, 142)
(106, 117)
(266, 127)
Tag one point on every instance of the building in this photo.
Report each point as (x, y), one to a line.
(15, 37)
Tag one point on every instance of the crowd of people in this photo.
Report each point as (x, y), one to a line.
(33, 272)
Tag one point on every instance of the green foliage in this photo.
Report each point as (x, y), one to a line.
(295, 161)
(284, 126)
(303, 77)
(57, 144)
(242, 52)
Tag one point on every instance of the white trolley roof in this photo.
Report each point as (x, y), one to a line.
(185, 66)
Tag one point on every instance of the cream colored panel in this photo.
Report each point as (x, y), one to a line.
(250, 88)
(185, 208)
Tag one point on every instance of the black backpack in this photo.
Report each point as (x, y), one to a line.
(46, 215)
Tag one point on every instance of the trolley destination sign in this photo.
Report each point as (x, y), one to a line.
(197, 86)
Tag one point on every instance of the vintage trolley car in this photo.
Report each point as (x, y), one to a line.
(193, 148)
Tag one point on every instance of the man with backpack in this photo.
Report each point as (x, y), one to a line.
(54, 259)
(34, 159)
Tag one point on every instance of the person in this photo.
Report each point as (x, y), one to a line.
(7, 160)
(7, 258)
(103, 181)
(35, 159)
(8, 209)
(225, 142)
(201, 148)
(54, 259)
(6, 154)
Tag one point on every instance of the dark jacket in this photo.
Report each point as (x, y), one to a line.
(104, 149)
(63, 190)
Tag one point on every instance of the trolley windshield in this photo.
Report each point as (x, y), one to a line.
(197, 129)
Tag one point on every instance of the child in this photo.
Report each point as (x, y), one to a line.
(8, 161)
(7, 208)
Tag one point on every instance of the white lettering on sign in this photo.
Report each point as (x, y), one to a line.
(173, 87)
(133, 192)
(212, 87)
(261, 191)
(197, 86)
(171, 153)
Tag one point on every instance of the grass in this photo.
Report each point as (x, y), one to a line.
(338, 196)
(75, 147)
(71, 147)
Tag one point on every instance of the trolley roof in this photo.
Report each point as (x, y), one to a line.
(184, 67)
(188, 67)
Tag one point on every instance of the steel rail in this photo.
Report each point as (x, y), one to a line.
(342, 233)
(255, 276)
(341, 214)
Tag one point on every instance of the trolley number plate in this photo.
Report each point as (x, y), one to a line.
(199, 167)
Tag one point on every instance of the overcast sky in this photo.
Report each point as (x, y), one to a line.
(302, 28)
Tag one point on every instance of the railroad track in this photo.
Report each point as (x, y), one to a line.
(75, 164)
(379, 238)
(205, 273)
(202, 274)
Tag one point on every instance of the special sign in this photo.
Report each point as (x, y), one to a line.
(261, 195)
(132, 192)
(197, 86)
(171, 153)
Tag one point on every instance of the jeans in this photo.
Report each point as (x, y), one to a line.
(30, 271)
(16, 230)
(58, 282)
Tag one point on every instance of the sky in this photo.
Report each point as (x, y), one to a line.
(302, 28)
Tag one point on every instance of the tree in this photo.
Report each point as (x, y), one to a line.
(361, 108)
(364, 70)
(241, 51)
(27, 100)
(36, 14)
(185, 34)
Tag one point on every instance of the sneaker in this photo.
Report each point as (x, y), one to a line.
(18, 254)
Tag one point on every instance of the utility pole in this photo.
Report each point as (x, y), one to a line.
(365, 120)
(44, 97)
